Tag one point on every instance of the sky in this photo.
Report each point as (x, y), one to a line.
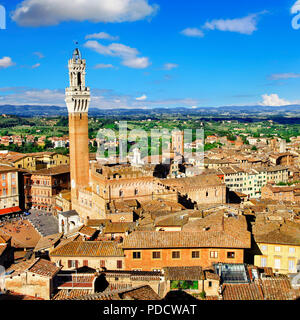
(152, 53)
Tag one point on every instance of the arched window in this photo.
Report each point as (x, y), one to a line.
(121, 193)
(206, 193)
(136, 191)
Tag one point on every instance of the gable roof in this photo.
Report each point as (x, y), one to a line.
(184, 273)
(88, 249)
(181, 239)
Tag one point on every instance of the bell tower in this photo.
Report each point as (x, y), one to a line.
(78, 101)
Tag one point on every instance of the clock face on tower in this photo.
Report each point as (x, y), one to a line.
(73, 184)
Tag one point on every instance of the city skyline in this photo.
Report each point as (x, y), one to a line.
(146, 54)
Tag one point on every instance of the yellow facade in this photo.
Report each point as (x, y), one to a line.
(41, 161)
(281, 257)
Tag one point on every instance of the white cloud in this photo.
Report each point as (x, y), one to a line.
(283, 76)
(103, 99)
(193, 32)
(39, 54)
(34, 13)
(128, 55)
(23, 96)
(36, 66)
(102, 35)
(170, 66)
(246, 25)
(6, 62)
(273, 100)
(103, 66)
(142, 98)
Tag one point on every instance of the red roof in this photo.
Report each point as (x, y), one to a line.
(9, 210)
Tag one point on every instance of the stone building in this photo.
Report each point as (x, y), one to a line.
(9, 190)
(198, 189)
(93, 254)
(32, 277)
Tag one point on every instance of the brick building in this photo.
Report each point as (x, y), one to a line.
(281, 193)
(152, 250)
(42, 186)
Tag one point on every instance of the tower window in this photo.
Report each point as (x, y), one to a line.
(79, 79)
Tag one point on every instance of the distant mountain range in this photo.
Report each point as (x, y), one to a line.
(40, 110)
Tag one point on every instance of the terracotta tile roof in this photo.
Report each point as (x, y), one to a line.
(53, 171)
(171, 221)
(4, 238)
(96, 222)
(270, 288)
(87, 231)
(277, 233)
(88, 249)
(48, 241)
(184, 273)
(181, 239)
(7, 169)
(248, 291)
(66, 294)
(21, 267)
(211, 276)
(188, 183)
(142, 293)
(118, 227)
(276, 288)
(44, 267)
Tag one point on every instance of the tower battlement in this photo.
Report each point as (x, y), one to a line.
(77, 94)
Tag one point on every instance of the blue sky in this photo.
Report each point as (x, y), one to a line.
(155, 53)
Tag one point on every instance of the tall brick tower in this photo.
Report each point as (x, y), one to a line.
(78, 101)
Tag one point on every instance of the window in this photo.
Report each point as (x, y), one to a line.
(231, 255)
(292, 250)
(209, 284)
(277, 264)
(136, 255)
(263, 262)
(214, 254)
(136, 191)
(72, 264)
(85, 263)
(292, 266)
(277, 249)
(119, 264)
(195, 254)
(156, 255)
(102, 263)
(175, 254)
(264, 248)
(121, 193)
